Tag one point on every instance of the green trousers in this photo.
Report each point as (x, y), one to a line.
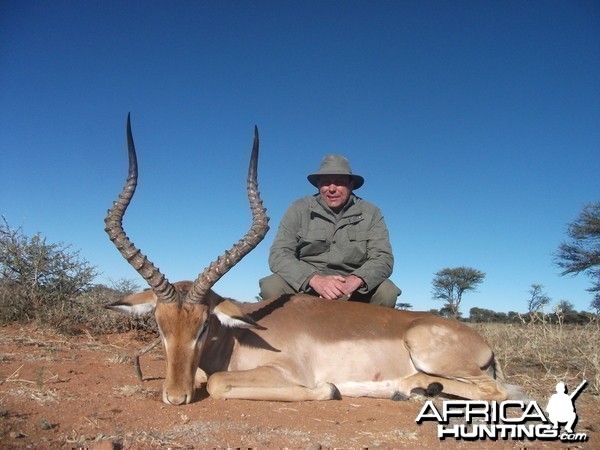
(384, 295)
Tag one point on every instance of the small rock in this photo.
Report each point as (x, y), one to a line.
(45, 425)
(16, 434)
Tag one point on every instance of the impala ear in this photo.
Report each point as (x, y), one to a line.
(230, 315)
(137, 305)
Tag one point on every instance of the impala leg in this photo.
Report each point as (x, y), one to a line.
(472, 388)
(200, 377)
(266, 383)
(136, 357)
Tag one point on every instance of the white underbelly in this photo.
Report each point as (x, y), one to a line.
(361, 361)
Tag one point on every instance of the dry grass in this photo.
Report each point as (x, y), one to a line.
(137, 391)
(567, 353)
(119, 358)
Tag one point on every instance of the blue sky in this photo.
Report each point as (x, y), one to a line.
(475, 124)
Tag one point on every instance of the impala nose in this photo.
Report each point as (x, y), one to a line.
(175, 400)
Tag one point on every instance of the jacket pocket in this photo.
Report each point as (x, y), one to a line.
(312, 243)
(356, 250)
(358, 236)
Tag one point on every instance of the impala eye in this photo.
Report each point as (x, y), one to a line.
(203, 329)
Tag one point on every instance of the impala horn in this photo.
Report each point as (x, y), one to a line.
(114, 228)
(257, 232)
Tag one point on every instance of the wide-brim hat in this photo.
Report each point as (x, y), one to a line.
(335, 165)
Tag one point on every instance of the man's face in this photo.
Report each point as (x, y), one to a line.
(335, 190)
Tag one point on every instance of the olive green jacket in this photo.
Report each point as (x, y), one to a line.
(312, 239)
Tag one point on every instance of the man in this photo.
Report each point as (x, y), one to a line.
(333, 244)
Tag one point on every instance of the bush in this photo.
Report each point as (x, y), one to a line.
(38, 279)
(52, 284)
(88, 312)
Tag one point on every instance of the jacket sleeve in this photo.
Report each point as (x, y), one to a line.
(283, 256)
(380, 259)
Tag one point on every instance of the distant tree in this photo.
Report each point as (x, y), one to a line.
(125, 286)
(564, 313)
(565, 306)
(449, 285)
(595, 305)
(482, 315)
(403, 306)
(447, 311)
(513, 316)
(537, 300)
(579, 318)
(501, 317)
(582, 253)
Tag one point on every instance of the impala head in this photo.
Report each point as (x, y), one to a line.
(182, 309)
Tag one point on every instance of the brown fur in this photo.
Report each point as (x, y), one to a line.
(295, 348)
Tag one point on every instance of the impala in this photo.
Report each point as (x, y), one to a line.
(300, 347)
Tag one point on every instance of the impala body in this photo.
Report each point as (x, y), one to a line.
(300, 347)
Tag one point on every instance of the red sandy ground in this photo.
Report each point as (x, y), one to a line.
(82, 392)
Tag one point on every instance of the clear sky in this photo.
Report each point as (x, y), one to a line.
(476, 125)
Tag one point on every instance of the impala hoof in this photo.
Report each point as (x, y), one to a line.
(399, 397)
(434, 389)
(335, 393)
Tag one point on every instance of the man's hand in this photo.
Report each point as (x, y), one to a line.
(333, 287)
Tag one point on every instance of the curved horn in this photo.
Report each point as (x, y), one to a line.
(257, 232)
(114, 228)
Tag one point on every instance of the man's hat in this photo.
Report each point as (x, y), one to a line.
(335, 165)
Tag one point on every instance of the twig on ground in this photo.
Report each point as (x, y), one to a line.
(11, 375)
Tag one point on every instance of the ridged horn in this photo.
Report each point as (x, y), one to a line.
(114, 228)
(257, 232)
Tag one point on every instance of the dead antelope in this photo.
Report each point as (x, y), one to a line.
(295, 348)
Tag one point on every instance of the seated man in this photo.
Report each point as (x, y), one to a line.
(333, 244)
